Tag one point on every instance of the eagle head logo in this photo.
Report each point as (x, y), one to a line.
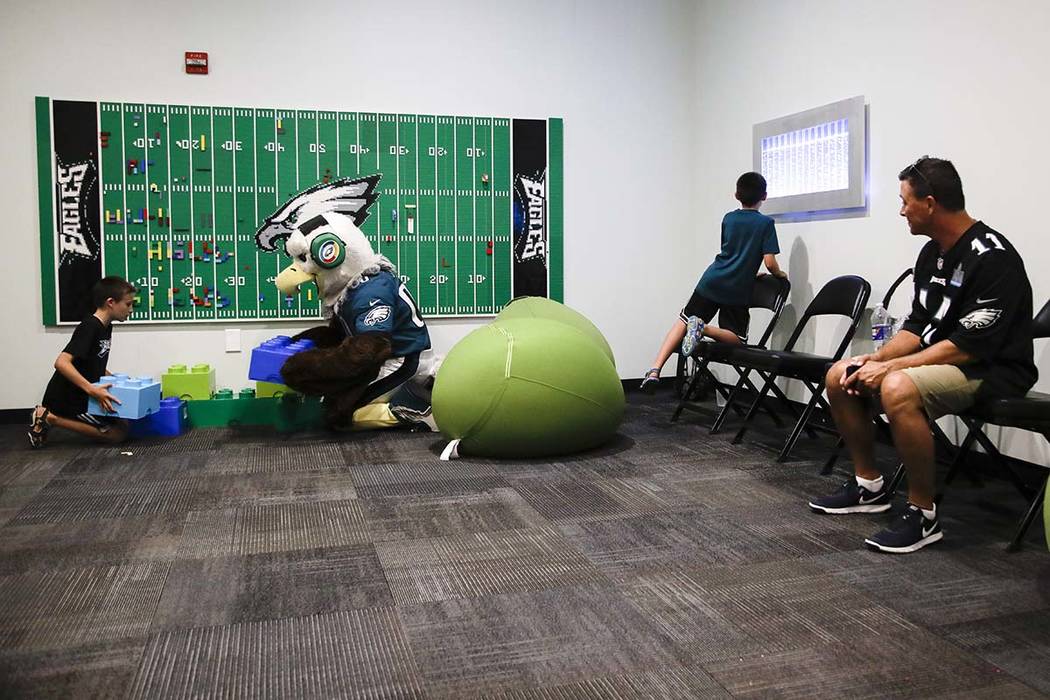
(980, 318)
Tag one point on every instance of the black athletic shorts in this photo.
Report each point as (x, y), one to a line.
(732, 318)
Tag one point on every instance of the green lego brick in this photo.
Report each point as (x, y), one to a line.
(286, 414)
(269, 389)
(197, 383)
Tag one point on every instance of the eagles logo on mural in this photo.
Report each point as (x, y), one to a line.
(372, 361)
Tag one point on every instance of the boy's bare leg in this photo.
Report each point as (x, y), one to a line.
(853, 418)
(117, 432)
(671, 343)
(722, 335)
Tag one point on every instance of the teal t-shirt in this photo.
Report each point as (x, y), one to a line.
(747, 235)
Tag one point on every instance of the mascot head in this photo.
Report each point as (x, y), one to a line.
(320, 231)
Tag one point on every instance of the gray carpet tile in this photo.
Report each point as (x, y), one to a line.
(666, 564)
(85, 501)
(1015, 643)
(905, 663)
(551, 637)
(101, 669)
(300, 525)
(937, 588)
(68, 607)
(220, 591)
(351, 654)
(482, 564)
(421, 517)
(39, 546)
(626, 547)
(675, 683)
(424, 479)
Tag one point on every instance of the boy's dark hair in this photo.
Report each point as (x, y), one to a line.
(937, 178)
(110, 288)
(750, 189)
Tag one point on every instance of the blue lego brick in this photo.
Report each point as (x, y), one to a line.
(138, 396)
(270, 356)
(171, 420)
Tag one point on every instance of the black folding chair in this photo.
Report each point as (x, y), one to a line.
(1030, 412)
(842, 296)
(769, 293)
(880, 425)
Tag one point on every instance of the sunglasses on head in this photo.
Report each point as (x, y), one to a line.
(914, 167)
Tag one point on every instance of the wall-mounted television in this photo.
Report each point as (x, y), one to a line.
(813, 161)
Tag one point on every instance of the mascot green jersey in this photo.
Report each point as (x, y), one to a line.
(372, 362)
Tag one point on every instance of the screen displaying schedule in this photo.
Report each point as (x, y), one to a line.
(813, 159)
(170, 197)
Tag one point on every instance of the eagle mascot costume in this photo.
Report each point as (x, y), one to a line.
(372, 362)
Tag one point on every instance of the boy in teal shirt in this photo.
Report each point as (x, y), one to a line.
(748, 238)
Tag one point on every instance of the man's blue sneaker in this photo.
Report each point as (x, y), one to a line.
(909, 533)
(853, 498)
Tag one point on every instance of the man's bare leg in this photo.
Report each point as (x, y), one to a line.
(911, 436)
(853, 418)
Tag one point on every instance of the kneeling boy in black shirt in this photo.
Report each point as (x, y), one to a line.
(79, 365)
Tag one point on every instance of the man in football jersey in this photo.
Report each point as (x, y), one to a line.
(967, 338)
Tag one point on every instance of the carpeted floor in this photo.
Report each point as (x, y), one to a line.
(669, 565)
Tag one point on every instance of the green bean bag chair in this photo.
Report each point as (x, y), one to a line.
(538, 381)
(541, 307)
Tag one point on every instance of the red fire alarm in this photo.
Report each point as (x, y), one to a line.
(197, 62)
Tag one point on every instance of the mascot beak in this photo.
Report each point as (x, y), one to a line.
(290, 279)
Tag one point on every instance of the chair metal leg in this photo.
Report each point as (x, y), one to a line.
(796, 432)
(829, 465)
(720, 419)
(752, 409)
(790, 406)
(959, 460)
(895, 482)
(1026, 522)
(684, 399)
(746, 380)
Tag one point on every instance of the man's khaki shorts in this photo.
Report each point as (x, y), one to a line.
(944, 389)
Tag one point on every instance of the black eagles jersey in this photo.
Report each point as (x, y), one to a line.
(977, 295)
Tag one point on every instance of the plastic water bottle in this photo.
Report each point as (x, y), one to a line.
(880, 325)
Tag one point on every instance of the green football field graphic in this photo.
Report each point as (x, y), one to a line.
(182, 189)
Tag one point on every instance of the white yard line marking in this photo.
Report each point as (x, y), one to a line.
(193, 222)
(474, 207)
(171, 238)
(236, 227)
(415, 200)
(214, 212)
(437, 224)
(255, 212)
(123, 189)
(455, 211)
(492, 216)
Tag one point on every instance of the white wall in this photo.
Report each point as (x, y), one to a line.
(620, 73)
(960, 80)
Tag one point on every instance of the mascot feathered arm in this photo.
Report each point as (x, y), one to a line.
(323, 336)
(352, 363)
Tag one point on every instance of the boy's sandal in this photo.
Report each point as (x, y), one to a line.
(38, 428)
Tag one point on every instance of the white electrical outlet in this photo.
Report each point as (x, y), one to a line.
(233, 340)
